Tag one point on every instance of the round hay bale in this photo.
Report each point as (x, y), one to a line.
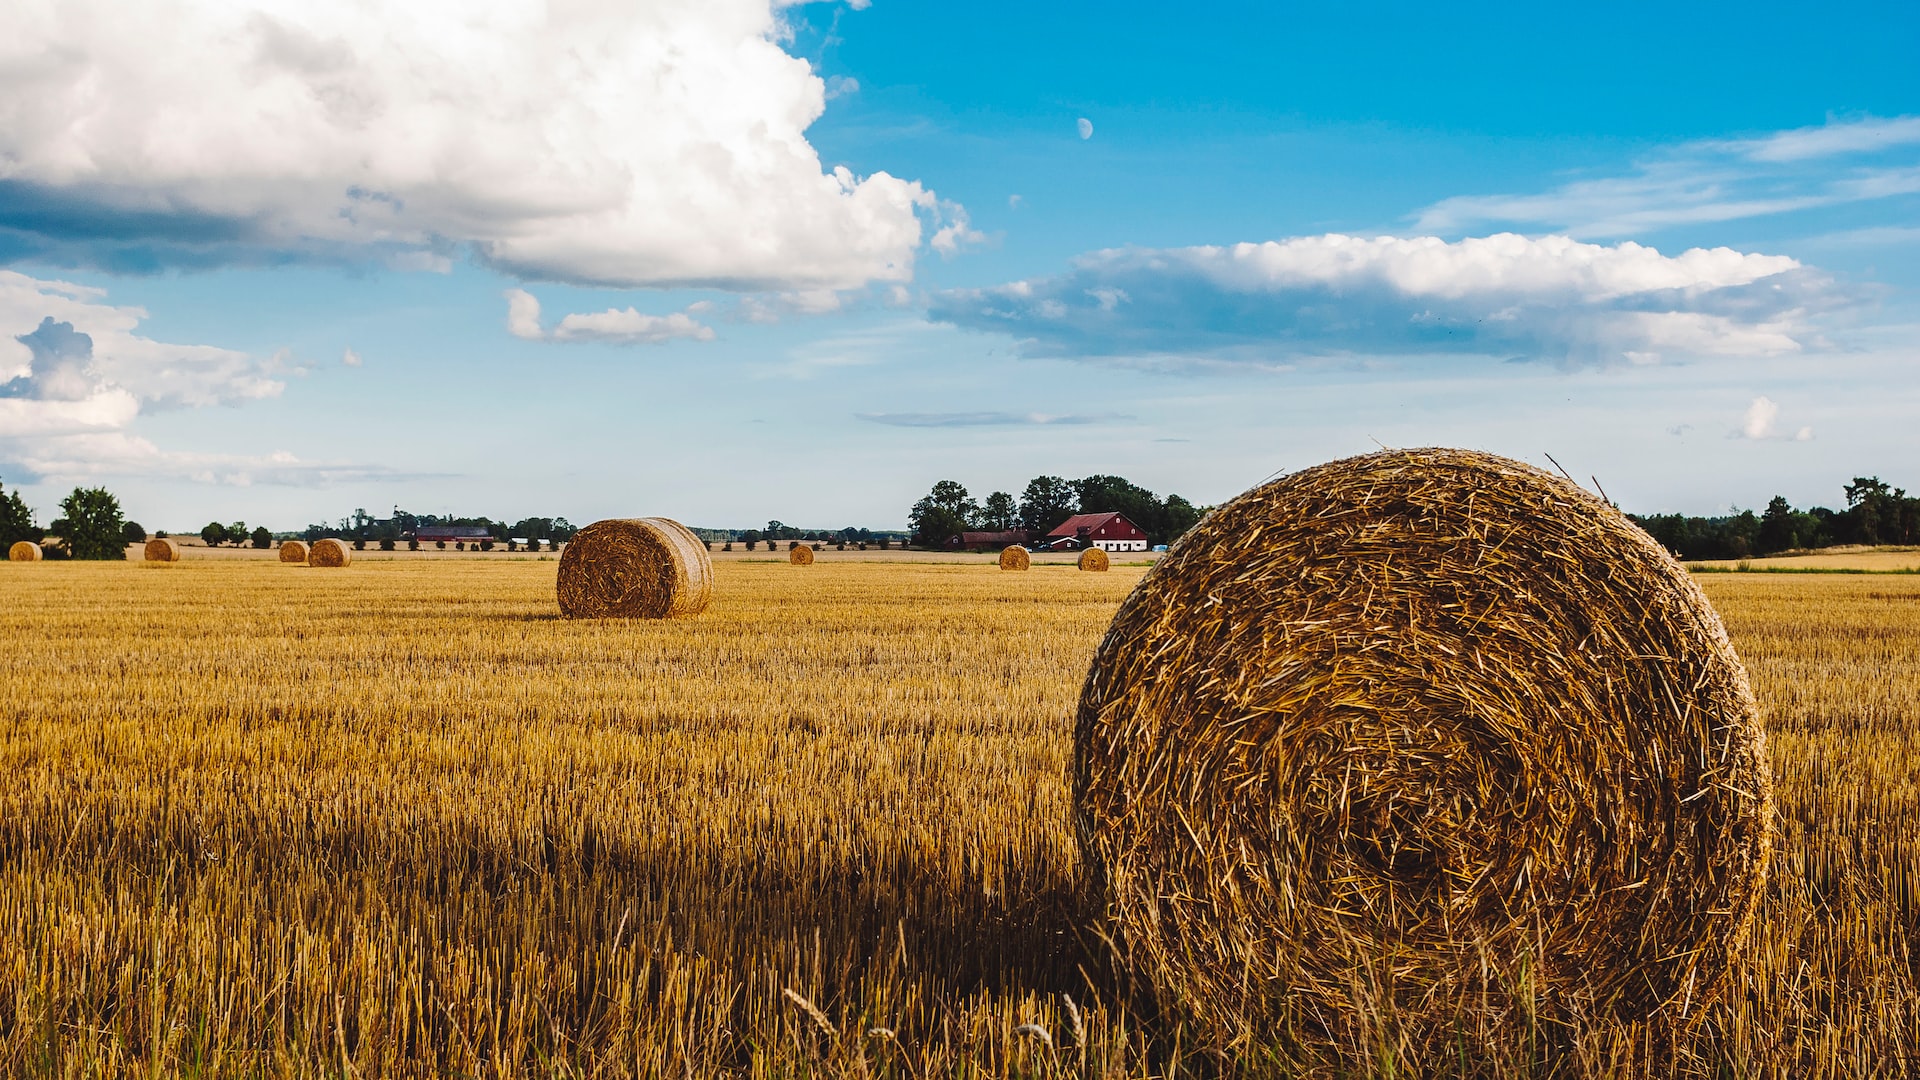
(1014, 557)
(293, 551)
(1415, 747)
(638, 568)
(329, 552)
(800, 555)
(1093, 559)
(163, 549)
(23, 551)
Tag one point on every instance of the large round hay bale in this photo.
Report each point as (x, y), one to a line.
(23, 551)
(1093, 559)
(293, 551)
(329, 552)
(163, 549)
(1413, 748)
(1014, 557)
(641, 568)
(800, 555)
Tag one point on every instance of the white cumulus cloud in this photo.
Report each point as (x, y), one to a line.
(1506, 295)
(651, 144)
(615, 326)
(1762, 423)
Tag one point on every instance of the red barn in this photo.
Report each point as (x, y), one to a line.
(1108, 532)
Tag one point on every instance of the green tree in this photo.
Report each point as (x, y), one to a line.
(1047, 501)
(999, 513)
(16, 521)
(132, 533)
(262, 539)
(91, 524)
(942, 512)
(1181, 515)
(1777, 527)
(213, 534)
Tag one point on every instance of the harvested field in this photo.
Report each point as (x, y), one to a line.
(411, 822)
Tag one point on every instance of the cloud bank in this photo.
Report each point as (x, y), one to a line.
(657, 144)
(75, 376)
(986, 419)
(1507, 296)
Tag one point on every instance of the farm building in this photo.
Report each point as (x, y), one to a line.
(1110, 531)
(452, 534)
(986, 541)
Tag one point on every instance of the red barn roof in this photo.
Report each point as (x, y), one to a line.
(1111, 525)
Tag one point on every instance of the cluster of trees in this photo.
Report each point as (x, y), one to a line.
(1047, 501)
(90, 525)
(363, 528)
(236, 534)
(1876, 513)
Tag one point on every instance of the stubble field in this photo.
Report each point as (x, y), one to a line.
(403, 820)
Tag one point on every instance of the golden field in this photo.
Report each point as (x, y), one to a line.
(404, 820)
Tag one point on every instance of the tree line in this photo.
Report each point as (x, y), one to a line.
(363, 528)
(1876, 513)
(948, 510)
(90, 526)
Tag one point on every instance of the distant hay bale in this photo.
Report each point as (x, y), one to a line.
(23, 551)
(163, 549)
(800, 555)
(293, 551)
(1093, 559)
(639, 568)
(329, 552)
(1408, 746)
(1014, 557)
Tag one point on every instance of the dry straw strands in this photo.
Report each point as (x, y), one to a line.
(800, 555)
(1093, 559)
(1014, 557)
(644, 568)
(293, 551)
(329, 552)
(163, 549)
(23, 551)
(1416, 747)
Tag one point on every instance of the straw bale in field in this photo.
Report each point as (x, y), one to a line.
(1014, 557)
(1093, 558)
(23, 551)
(163, 549)
(800, 555)
(329, 552)
(644, 568)
(293, 551)
(1420, 741)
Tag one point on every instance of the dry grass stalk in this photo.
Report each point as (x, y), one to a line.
(23, 551)
(638, 568)
(163, 549)
(1417, 747)
(1014, 557)
(1093, 559)
(329, 552)
(293, 551)
(801, 555)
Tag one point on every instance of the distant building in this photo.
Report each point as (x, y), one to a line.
(987, 541)
(452, 534)
(1108, 532)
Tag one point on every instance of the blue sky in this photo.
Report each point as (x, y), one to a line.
(730, 263)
